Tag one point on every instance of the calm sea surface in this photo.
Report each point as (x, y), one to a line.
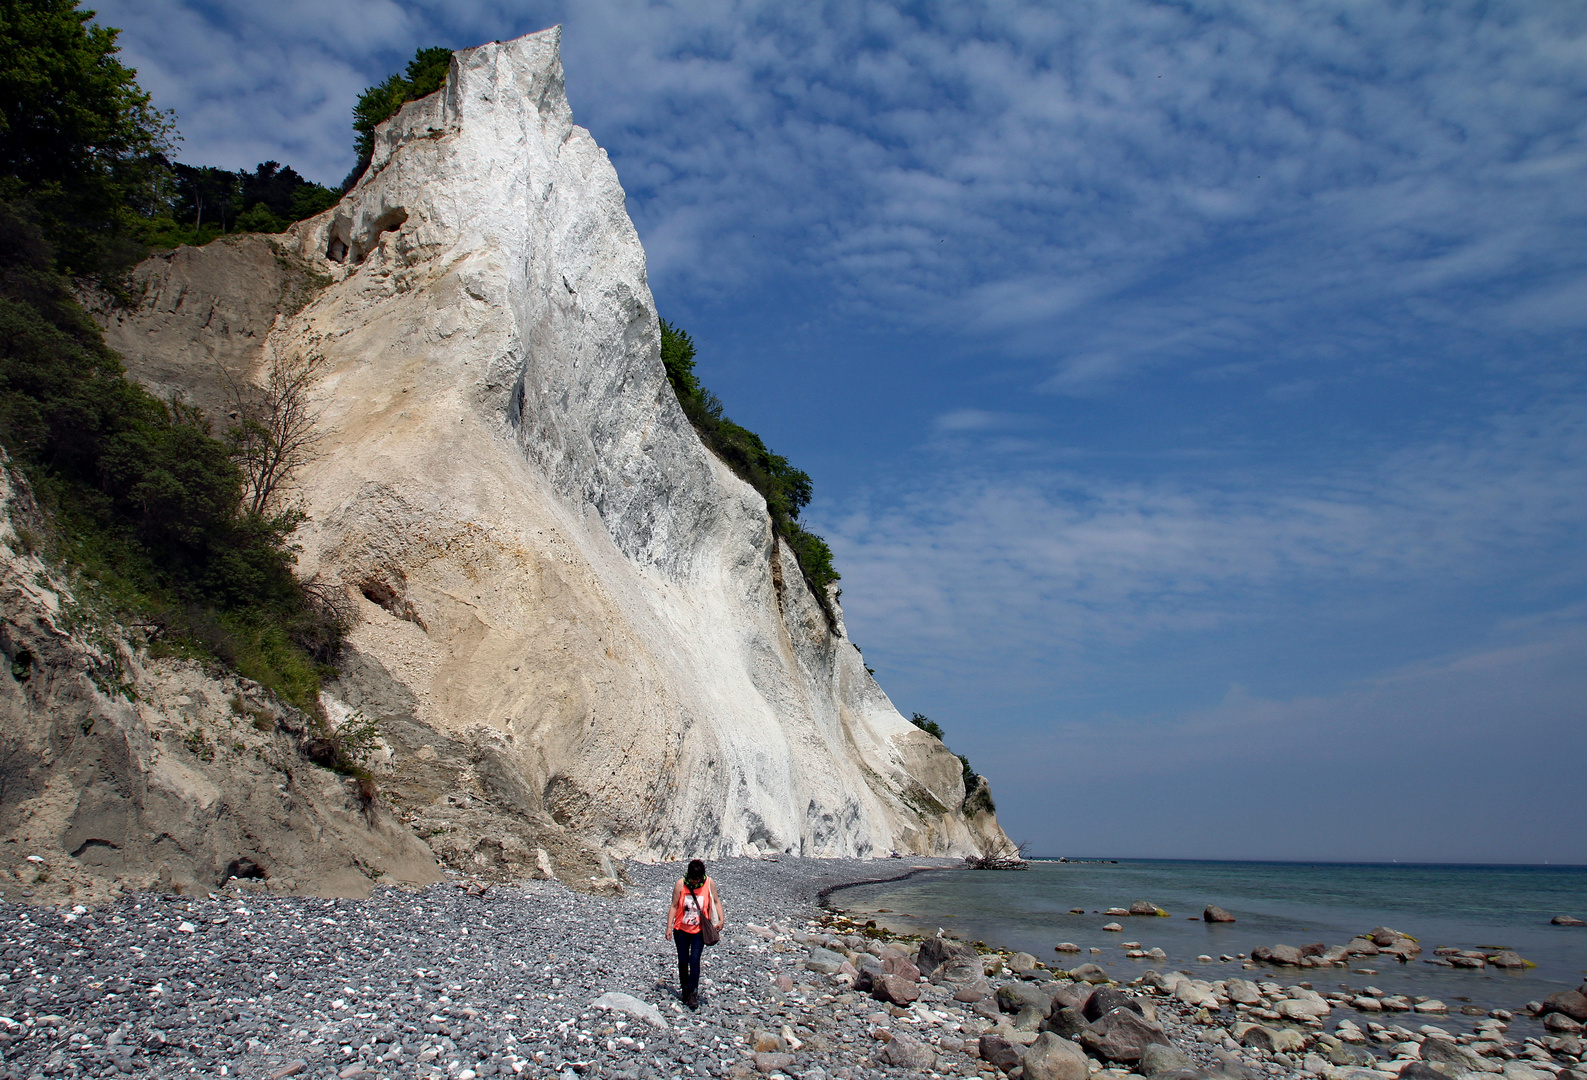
(1469, 907)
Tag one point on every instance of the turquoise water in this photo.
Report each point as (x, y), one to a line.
(1294, 903)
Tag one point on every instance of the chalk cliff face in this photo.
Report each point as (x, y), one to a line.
(576, 628)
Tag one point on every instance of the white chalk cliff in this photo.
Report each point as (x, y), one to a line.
(573, 618)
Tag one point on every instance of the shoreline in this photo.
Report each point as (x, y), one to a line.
(460, 981)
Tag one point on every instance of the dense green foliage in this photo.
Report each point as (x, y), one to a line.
(787, 490)
(144, 502)
(79, 140)
(425, 75)
(202, 202)
(929, 726)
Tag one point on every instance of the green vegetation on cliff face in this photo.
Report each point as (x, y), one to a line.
(787, 490)
(145, 504)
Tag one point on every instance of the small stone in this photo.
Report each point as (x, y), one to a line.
(291, 1068)
(1114, 927)
(773, 1062)
(1066, 946)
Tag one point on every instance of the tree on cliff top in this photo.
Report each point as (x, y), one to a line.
(425, 75)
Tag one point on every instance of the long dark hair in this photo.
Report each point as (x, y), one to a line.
(694, 876)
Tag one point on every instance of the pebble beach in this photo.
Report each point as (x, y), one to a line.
(463, 980)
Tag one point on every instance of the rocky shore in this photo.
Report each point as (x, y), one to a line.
(461, 981)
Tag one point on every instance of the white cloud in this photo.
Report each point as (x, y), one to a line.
(1045, 568)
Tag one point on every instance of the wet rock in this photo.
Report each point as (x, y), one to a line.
(1090, 973)
(1074, 994)
(1066, 1022)
(895, 989)
(1051, 1057)
(1142, 907)
(1562, 1024)
(824, 961)
(937, 951)
(1066, 947)
(1568, 920)
(1214, 913)
(1572, 1003)
(1273, 1040)
(1508, 959)
(1243, 992)
(629, 1005)
(773, 1062)
(1114, 927)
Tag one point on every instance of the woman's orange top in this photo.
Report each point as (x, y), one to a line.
(692, 906)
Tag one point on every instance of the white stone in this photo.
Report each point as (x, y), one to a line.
(629, 1005)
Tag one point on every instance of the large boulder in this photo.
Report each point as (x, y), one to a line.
(936, 951)
(908, 1052)
(1004, 1053)
(1053, 1058)
(1214, 913)
(1570, 1002)
(1105, 999)
(1161, 1059)
(1508, 959)
(1143, 907)
(1197, 994)
(1090, 973)
(1122, 1036)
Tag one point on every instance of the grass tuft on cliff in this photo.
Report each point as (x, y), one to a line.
(787, 490)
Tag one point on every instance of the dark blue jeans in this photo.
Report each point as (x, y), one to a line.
(689, 948)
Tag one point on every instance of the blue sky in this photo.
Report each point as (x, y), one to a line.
(1195, 392)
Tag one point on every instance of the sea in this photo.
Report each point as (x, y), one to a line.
(1468, 907)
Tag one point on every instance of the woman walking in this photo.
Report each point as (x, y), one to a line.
(694, 904)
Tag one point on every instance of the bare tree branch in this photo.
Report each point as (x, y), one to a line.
(277, 432)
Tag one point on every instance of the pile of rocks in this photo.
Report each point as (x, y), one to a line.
(1383, 941)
